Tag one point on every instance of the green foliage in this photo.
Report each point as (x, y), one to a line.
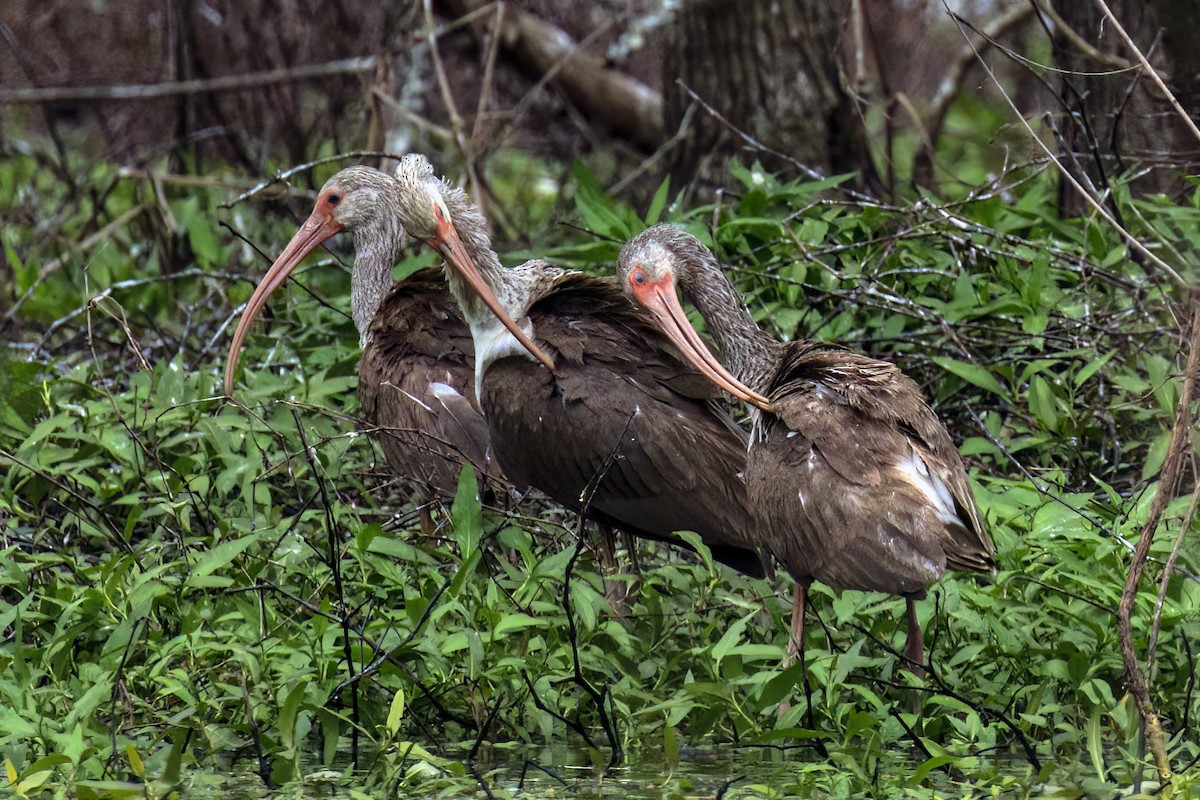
(189, 583)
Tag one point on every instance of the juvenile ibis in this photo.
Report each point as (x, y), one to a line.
(617, 424)
(854, 480)
(416, 374)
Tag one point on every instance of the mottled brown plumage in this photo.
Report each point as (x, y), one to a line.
(620, 417)
(854, 480)
(416, 375)
(416, 381)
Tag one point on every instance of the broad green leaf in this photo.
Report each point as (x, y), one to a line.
(220, 556)
(1092, 368)
(288, 711)
(928, 764)
(697, 544)
(136, 765)
(670, 747)
(972, 373)
(1095, 745)
(731, 637)
(658, 203)
(515, 622)
(396, 712)
(467, 514)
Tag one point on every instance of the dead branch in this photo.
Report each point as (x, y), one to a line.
(630, 107)
(1135, 677)
(155, 91)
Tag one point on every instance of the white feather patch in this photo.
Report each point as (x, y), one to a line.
(444, 392)
(493, 342)
(914, 470)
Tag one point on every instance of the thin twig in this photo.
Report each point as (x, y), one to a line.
(457, 124)
(282, 177)
(1168, 572)
(489, 73)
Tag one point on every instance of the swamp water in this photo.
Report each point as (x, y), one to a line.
(726, 772)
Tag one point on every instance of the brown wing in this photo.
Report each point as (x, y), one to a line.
(862, 485)
(619, 391)
(416, 382)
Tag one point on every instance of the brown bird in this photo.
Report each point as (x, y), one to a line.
(416, 374)
(618, 423)
(854, 480)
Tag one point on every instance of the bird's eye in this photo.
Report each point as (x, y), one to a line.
(638, 277)
(334, 199)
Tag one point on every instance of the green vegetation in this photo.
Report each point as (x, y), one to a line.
(188, 584)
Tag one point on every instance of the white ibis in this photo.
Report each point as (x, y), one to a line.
(854, 480)
(416, 374)
(618, 422)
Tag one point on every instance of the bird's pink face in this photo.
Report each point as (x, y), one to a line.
(320, 226)
(655, 291)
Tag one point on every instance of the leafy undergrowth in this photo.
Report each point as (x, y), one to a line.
(190, 584)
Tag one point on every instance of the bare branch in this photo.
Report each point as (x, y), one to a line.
(629, 106)
(154, 91)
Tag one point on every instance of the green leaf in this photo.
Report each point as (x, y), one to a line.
(514, 622)
(288, 711)
(220, 556)
(972, 374)
(731, 637)
(1041, 402)
(697, 544)
(670, 747)
(1095, 744)
(136, 765)
(1091, 369)
(929, 764)
(467, 514)
(396, 712)
(1156, 455)
(658, 203)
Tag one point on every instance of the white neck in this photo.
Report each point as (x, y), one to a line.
(493, 342)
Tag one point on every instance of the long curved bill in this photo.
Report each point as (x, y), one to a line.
(316, 229)
(661, 302)
(448, 243)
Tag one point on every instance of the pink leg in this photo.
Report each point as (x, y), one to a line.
(796, 640)
(914, 649)
(615, 591)
(796, 647)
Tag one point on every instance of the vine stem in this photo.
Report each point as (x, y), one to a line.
(1135, 676)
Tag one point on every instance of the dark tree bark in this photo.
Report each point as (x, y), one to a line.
(1120, 123)
(770, 68)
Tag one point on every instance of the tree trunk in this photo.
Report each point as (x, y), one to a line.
(1119, 122)
(770, 68)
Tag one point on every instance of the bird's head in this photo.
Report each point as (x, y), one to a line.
(648, 268)
(356, 199)
(424, 208)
